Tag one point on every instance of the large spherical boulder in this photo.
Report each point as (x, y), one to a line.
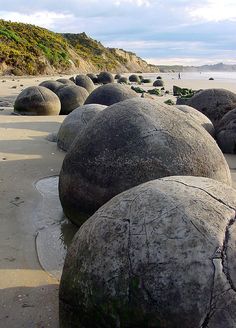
(66, 81)
(52, 85)
(226, 132)
(109, 94)
(132, 142)
(161, 254)
(85, 82)
(200, 118)
(134, 78)
(37, 101)
(105, 77)
(214, 103)
(71, 97)
(75, 123)
(158, 83)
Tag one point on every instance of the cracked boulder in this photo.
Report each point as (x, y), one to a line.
(75, 123)
(214, 103)
(110, 94)
(226, 133)
(200, 118)
(37, 100)
(129, 143)
(85, 82)
(161, 254)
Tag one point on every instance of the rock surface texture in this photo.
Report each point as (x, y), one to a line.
(75, 123)
(85, 82)
(51, 84)
(71, 97)
(132, 142)
(159, 255)
(37, 100)
(214, 103)
(226, 133)
(110, 94)
(105, 77)
(200, 118)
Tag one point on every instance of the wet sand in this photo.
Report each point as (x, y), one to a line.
(29, 269)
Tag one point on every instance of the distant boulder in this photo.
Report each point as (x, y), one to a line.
(123, 79)
(110, 94)
(117, 76)
(214, 103)
(37, 100)
(75, 123)
(71, 97)
(85, 82)
(134, 78)
(105, 78)
(158, 83)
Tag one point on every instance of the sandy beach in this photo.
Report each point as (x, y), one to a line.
(29, 272)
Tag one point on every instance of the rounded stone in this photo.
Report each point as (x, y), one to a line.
(37, 100)
(75, 122)
(85, 82)
(214, 103)
(226, 133)
(71, 97)
(200, 118)
(118, 76)
(52, 85)
(66, 81)
(161, 254)
(158, 83)
(134, 78)
(105, 77)
(109, 94)
(129, 143)
(93, 77)
(123, 79)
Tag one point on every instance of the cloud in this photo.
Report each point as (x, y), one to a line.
(214, 10)
(46, 19)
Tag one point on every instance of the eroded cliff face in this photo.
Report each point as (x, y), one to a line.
(135, 63)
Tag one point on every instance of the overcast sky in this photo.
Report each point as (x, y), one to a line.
(160, 31)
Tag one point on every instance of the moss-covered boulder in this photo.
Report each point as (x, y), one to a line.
(110, 94)
(75, 123)
(159, 255)
(71, 97)
(132, 142)
(37, 100)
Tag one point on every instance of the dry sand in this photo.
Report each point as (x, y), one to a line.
(29, 295)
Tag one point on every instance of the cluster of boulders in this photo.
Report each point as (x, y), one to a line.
(149, 189)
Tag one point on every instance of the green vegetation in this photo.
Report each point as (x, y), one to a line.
(169, 102)
(155, 91)
(138, 89)
(28, 49)
(182, 92)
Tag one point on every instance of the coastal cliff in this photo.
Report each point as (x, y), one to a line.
(30, 50)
